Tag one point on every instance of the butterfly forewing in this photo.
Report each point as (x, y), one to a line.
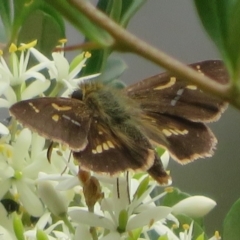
(166, 94)
(63, 120)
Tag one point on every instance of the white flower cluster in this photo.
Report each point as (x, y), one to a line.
(117, 208)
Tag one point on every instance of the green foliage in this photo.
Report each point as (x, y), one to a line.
(221, 20)
(173, 197)
(231, 229)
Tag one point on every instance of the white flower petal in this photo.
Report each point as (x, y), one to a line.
(111, 236)
(3, 129)
(195, 206)
(144, 218)
(88, 77)
(20, 150)
(38, 55)
(61, 64)
(38, 143)
(35, 75)
(165, 159)
(3, 85)
(40, 163)
(29, 199)
(74, 72)
(61, 235)
(91, 219)
(4, 103)
(55, 200)
(120, 195)
(39, 67)
(5, 234)
(6, 171)
(68, 183)
(10, 95)
(82, 232)
(35, 88)
(4, 187)
(164, 230)
(44, 220)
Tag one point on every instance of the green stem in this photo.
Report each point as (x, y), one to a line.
(93, 232)
(68, 223)
(126, 41)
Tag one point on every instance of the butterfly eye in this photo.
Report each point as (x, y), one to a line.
(78, 94)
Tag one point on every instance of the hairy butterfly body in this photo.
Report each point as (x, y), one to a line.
(111, 131)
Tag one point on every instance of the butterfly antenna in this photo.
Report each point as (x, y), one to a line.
(69, 157)
(118, 192)
(128, 186)
(49, 151)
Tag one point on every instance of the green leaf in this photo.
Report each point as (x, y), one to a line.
(129, 8)
(163, 237)
(173, 197)
(22, 9)
(160, 151)
(214, 19)
(18, 227)
(117, 84)
(5, 13)
(142, 187)
(122, 221)
(221, 19)
(81, 22)
(114, 68)
(41, 235)
(231, 229)
(96, 62)
(200, 237)
(135, 234)
(43, 27)
(233, 38)
(98, 59)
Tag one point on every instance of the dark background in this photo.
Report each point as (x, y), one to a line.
(174, 27)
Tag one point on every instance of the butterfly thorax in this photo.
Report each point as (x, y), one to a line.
(108, 104)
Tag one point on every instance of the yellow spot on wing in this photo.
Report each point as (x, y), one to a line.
(99, 148)
(191, 87)
(166, 132)
(178, 131)
(105, 146)
(167, 85)
(34, 107)
(55, 117)
(110, 144)
(61, 108)
(94, 151)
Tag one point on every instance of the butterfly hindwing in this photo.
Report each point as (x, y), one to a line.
(186, 140)
(106, 153)
(57, 119)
